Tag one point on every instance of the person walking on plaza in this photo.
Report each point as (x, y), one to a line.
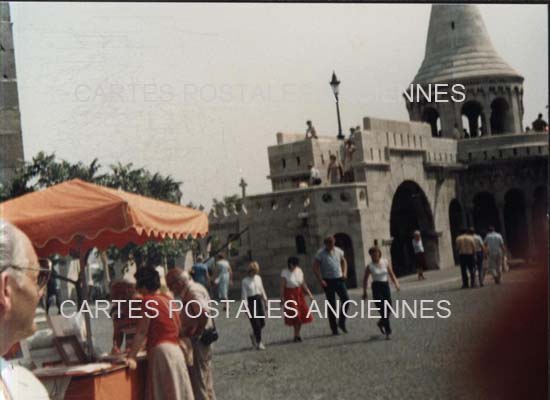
(224, 277)
(419, 255)
(495, 250)
(167, 375)
(293, 287)
(466, 249)
(199, 272)
(23, 279)
(311, 133)
(197, 326)
(331, 270)
(381, 271)
(480, 254)
(335, 171)
(253, 293)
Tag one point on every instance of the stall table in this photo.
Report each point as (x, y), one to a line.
(113, 381)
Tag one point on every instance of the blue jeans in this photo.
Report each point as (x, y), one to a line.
(336, 286)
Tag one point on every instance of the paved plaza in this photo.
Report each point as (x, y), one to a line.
(425, 359)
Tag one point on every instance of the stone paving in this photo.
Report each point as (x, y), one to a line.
(423, 360)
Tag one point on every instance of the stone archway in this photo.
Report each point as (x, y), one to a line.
(344, 242)
(456, 223)
(539, 222)
(431, 116)
(501, 117)
(515, 223)
(473, 111)
(410, 211)
(485, 213)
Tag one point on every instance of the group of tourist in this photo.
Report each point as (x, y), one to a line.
(330, 269)
(337, 172)
(473, 251)
(179, 353)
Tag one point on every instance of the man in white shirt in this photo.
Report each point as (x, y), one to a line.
(419, 255)
(314, 176)
(22, 284)
(494, 252)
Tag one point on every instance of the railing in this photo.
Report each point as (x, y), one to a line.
(301, 200)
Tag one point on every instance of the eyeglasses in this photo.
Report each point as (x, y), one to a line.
(44, 271)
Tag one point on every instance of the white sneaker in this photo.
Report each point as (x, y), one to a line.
(253, 340)
(261, 346)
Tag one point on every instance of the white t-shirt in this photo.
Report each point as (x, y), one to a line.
(294, 278)
(252, 286)
(379, 271)
(494, 241)
(314, 173)
(418, 246)
(21, 383)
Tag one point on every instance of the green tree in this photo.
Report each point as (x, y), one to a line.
(45, 170)
(234, 202)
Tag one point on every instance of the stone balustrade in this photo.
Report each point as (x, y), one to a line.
(315, 199)
(497, 147)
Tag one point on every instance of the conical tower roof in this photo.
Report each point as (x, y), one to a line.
(458, 47)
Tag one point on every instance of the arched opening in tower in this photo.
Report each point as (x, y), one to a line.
(472, 117)
(539, 221)
(411, 211)
(431, 116)
(501, 118)
(485, 213)
(515, 222)
(344, 242)
(456, 224)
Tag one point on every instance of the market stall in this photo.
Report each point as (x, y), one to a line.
(74, 217)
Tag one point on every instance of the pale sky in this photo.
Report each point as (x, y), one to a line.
(199, 91)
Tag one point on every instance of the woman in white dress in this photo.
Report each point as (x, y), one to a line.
(381, 271)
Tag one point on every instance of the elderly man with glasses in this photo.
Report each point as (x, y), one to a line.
(23, 278)
(197, 325)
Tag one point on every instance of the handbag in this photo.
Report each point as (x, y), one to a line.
(209, 335)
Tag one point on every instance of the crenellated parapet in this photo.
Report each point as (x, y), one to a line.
(503, 147)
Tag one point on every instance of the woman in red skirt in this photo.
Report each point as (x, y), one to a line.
(293, 287)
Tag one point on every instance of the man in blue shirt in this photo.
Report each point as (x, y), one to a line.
(331, 269)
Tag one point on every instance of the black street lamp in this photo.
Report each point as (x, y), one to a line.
(335, 85)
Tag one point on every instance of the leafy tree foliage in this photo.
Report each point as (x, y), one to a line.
(45, 170)
(228, 203)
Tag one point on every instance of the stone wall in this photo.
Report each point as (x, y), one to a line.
(11, 143)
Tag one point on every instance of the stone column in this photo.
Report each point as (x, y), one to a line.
(486, 119)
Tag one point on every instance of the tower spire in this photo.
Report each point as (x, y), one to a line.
(459, 52)
(459, 47)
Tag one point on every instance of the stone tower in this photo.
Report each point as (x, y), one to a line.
(11, 142)
(459, 51)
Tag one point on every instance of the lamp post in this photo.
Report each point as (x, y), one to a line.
(335, 85)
